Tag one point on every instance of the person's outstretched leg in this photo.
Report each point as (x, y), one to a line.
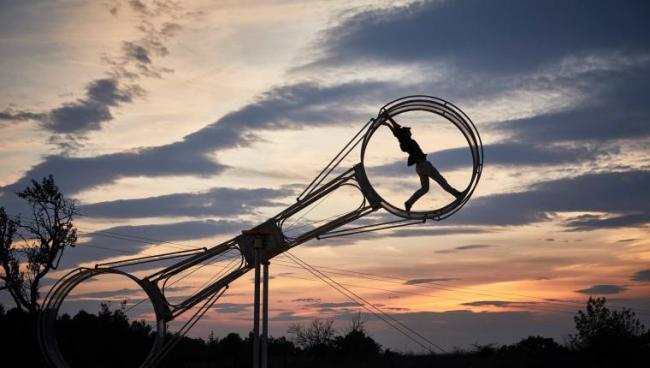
(424, 188)
(434, 174)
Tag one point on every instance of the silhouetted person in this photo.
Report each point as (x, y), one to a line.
(423, 167)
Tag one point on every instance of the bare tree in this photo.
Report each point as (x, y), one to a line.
(357, 324)
(43, 240)
(319, 334)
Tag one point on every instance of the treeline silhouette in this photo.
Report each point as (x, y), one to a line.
(603, 338)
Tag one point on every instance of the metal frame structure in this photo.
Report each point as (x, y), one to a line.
(257, 246)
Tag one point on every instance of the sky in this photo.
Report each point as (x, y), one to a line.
(183, 123)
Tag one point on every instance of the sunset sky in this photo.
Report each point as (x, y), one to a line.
(183, 123)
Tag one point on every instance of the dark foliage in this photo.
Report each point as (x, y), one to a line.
(109, 339)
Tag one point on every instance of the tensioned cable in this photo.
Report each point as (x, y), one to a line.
(209, 264)
(368, 309)
(316, 271)
(528, 305)
(119, 236)
(433, 285)
(320, 177)
(320, 201)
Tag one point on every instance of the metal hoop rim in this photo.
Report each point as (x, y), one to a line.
(55, 298)
(446, 110)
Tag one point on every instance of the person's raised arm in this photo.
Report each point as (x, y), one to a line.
(393, 125)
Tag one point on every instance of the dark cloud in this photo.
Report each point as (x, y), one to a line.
(74, 174)
(642, 276)
(335, 305)
(110, 93)
(139, 6)
(307, 300)
(232, 307)
(287, 107)
(431, 230)
(129, 240)
(215, 202)
(595, 222)
(85, 114)
(612, 192)
(602, 290)
(429, 280)
(465, 247)
(616, 108)
(13, 115)
(601, 123)
(496, 303)
(290, 107)
(507, 37)
(111, 293)
(290, 316)
(508, 154)
(90, 112)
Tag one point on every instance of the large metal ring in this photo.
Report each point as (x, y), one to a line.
(50, 310)
(454, 115)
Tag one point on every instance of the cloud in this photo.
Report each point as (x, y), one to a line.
(101, 95)
(130, 240)
(306, 300)
(429, 230)
(87, 114)
(642, 276)
(74, 174)
(331, 305)
(594, 222)
(602, 290)
(13, 115)
(429, 280)
(508, 37)
(232, 307)
(290, 316)
(496, 303)
(215, 202)
(105, 294)
(288, 107)
(465, 247)
(507, 154)
(612, 192)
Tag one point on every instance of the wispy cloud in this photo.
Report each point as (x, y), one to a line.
(429, 280)
(215, 202)
(496, 303)
(642, 276)
(70, 121)
(465, 247)
(602, 290)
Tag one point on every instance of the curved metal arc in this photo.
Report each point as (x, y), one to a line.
(462, 122)
(47, 318)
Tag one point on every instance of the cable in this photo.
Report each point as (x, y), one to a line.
(317, 273)
(433, 285)
(421, 294)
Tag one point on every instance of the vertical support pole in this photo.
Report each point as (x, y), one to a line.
(257, 246)
(265, 315)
